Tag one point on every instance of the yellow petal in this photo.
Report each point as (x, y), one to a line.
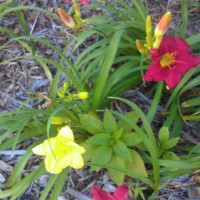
(52, 164)
(41, 149)
(66, 133)
(76, 161)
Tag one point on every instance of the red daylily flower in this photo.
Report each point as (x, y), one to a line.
(121, 193)
(84, 2)
(170, 61)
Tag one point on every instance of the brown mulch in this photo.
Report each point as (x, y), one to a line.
(19, 77)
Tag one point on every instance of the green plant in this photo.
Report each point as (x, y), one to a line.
(125, 144)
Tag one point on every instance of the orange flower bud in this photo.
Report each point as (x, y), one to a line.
(140, 46)
(163, 24)
(66, 18)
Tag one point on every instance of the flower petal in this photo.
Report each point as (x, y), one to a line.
(185, 62)
(54, 165)
(172, 80)
(155, 73)
(121, 193)
(84, 2)
(76, 161)
(65, 133)
(168, 45)
(183, 46)
(41, 149)
(99, 194)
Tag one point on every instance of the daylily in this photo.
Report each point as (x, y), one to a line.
(121, 193)
(61, 151)
(170, 61)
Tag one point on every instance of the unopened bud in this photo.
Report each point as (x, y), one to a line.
(163, 24)
(81, 95)
(66, 18)
(140, 46)
(148, 25)
(157, 41)
(59, 120)
(77, 10)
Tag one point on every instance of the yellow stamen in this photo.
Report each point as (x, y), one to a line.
(167, 60)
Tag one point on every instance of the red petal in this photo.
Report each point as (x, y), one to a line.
(168, 45)
(155, 73)
(84, 2)
(183, 47)
(185, 63)
(172, 80)
(121, 193)
(99, 194)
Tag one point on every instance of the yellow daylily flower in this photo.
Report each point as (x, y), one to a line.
(61, 151)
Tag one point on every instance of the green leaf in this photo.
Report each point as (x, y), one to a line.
(170, 143)
(91, 123)
(90, 149)
(122, 123)
(170, 156)
(105, 71)
(99, 139)
(131, 139)
(116, 176)
(137, 164)
(118, 133)
(163, 134)
(45, 192)
(122, 151)
(102, 154)
(109, 122)
(59, 184)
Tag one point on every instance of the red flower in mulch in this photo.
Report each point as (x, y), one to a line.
(170, 61)
(121, 193)
(84, 2)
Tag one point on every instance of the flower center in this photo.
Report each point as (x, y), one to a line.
(167, 59)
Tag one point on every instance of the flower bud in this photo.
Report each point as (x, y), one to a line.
(66, 18)
(163, 24)
(81, 95)
(59, 120)
(148, 26)
(140, 46)
(77, 10)
(157, 42)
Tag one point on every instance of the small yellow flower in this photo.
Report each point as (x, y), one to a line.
(61, 151)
